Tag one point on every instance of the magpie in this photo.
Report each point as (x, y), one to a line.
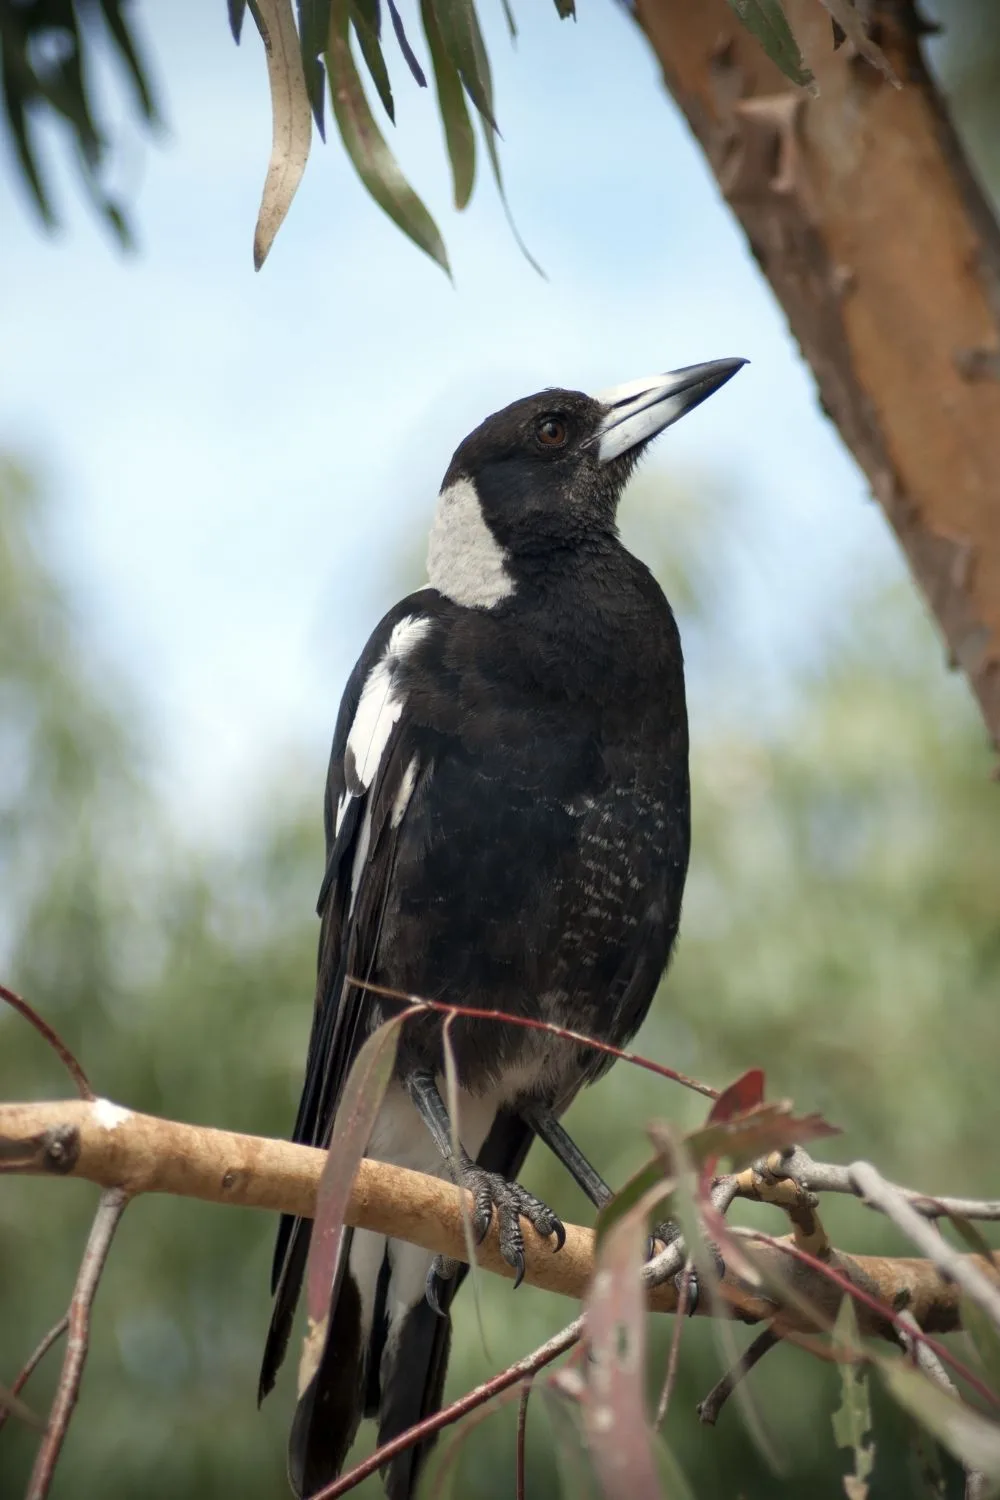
(507, 826)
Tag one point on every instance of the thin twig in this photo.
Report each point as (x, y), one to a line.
(109, 1212)
(872, 1187)
(673, 1358)
(828, 1177)
(531, 1023)
(522, 1423)
(531, 1363)
(34, 1360)
(709, 1409)
(55, 1041)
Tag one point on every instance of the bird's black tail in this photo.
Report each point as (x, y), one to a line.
(395, 1373)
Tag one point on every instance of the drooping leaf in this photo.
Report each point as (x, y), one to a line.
(404, 46)
(366, 147)
(852, 1421)
(969, 1437)
(371, 51)
(451, 1088)
(566, 9)
(765, 19)
(489, 137)
(619, 1434)
(854, 26)
(459, 135)
(508, 15)
(237, 10)
(463, 41)
(125, 42)
(364, 1090)
(577, 1477)
(640, 1186)
(985, 1338)
(314, 27)
(291, 118)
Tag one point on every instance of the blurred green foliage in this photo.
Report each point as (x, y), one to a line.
(840, 929)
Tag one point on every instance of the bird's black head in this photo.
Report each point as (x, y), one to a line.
(548, 472)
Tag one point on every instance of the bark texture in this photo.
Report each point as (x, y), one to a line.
(120, 1148)
(865, 216)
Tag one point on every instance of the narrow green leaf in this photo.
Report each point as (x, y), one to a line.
(508, 14)
(237, 10)
(577, 1479)
(489, 137)
(459, 136)
(985, 1338)
(371, 51)
(765, 20)
(566, 9)
(314, 27)
(18, 122)
(463, 42)
(635, 1189)
(852, 1421)
(969, 1437)
(410, 57)
(125, 42)
(365, 145)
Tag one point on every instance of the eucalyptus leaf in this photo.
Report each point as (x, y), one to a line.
(371, 51)
(985, 1338)
(125, 42)
(314, 24)
(969, 1437)
(366, 147)
(459, 135)
(765, 20)
(852, 1421)
(463, 41)
(404, 46)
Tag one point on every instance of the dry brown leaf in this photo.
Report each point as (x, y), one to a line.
(291, 120)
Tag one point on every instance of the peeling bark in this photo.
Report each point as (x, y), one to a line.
(864, 215)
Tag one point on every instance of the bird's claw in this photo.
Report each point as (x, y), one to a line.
(667, 1234)
(491, 1194)
(443, 1269)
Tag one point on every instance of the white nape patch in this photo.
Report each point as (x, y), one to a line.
(109, 1115)
(378, 711)
(465, 562)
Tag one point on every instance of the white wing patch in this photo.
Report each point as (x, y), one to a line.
(378, 711)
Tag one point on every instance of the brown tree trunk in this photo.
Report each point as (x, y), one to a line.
(865, 217)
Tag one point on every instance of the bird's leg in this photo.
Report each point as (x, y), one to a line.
(548, 1129)
(491, 1193)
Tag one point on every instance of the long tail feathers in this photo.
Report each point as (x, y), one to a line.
(327, 1415)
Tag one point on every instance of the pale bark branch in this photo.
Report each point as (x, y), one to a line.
(119, 1148)
(865, 216)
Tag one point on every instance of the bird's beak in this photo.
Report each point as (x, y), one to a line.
(640, 409)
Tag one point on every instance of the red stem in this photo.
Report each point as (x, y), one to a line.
(531, 1023)
(54, 1040)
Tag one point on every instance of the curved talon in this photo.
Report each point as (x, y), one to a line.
(442, 1270)
(559, 1230)
(518, 1264)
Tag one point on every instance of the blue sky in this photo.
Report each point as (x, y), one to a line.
(238, 461)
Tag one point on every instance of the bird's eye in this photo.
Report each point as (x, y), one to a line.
(552, 432)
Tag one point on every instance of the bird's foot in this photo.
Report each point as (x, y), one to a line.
(668, 1233)
(493, 1194)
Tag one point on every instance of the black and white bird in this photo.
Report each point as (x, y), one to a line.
(507, 826)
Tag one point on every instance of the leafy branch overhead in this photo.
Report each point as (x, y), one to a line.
(331, 32)
(49, 53)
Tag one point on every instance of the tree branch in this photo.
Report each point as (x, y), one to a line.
(855, 203)
(119, 1148)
